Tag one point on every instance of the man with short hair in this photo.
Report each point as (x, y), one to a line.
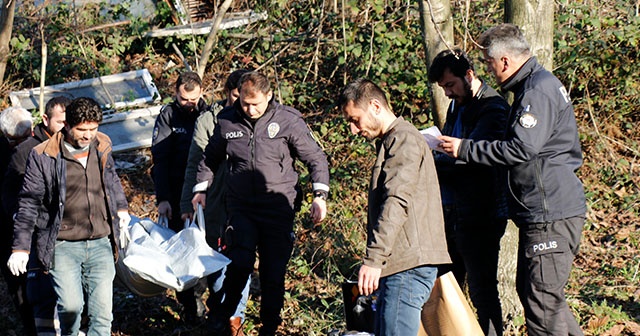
(405, 229)
(71, 211)
(15, 128)
(172, 137)
(473, 199)
(40, 293)
(261, 139)
(541, 152)
(214, 208)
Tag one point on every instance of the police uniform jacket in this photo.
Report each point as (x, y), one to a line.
(474, 189)
(172, 135)
(41, 200)
(261, 155)
(405, 225)
(541, 149)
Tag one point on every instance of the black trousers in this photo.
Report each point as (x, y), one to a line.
(267, 228)
(473, 242)
(545, 256)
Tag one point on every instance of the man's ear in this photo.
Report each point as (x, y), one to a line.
(469, 76)
(269, 95)
(505, 63)
(375, 104)
(45, 120)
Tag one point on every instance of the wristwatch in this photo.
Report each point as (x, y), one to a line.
(321, 194)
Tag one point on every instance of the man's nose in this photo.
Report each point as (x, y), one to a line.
(354, 128)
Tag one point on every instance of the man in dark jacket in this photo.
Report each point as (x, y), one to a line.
(52, 122)
(71, 211)
(40, 293)
(172, 137)
(405, 228)
(215, 213)
(15, 128)
(542, 153)
(472, 194)
(261, 139)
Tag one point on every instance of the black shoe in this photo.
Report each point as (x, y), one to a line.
(218, 327)
(192, 319)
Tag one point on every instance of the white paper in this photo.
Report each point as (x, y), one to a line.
(431, 135)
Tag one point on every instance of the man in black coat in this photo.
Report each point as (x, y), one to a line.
(172, 136)
(474, 204)
(541, 152)
(39, 292)
(15, 126)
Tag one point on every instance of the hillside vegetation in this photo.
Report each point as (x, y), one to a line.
(311, 49)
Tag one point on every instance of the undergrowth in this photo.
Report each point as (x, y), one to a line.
(303, 49)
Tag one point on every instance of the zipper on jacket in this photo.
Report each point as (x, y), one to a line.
(252, 150)
(545, 208)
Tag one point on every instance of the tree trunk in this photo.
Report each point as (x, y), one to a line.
(437, 35)
(535, 18)
(6, 26)
(213, 37)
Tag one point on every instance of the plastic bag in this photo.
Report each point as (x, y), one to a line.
(168, 259)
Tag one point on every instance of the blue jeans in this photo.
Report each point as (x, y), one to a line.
(84, 268)
(400, 300)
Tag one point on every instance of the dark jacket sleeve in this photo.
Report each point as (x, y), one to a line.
(118, 193)
(30, 200)
(523, 144)
(14, 176)
(309, 152)
(161, 149)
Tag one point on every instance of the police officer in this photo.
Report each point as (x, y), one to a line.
(215, 210)
(170, 149)
(261, 139)
(542, 153)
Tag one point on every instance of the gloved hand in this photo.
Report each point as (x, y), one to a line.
(124, 228)
(18, 263)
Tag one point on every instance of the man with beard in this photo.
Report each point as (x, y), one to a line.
(172, 136)
(405, 229)
(541, 152)
(472, 195)
(40, 293)
(71, 211)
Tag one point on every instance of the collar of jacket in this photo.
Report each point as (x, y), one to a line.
(525, 71)
(53, 146)
(40, 132)
(481, 91)
(391, 129)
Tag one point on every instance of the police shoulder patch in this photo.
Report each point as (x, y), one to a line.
(528, 120)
